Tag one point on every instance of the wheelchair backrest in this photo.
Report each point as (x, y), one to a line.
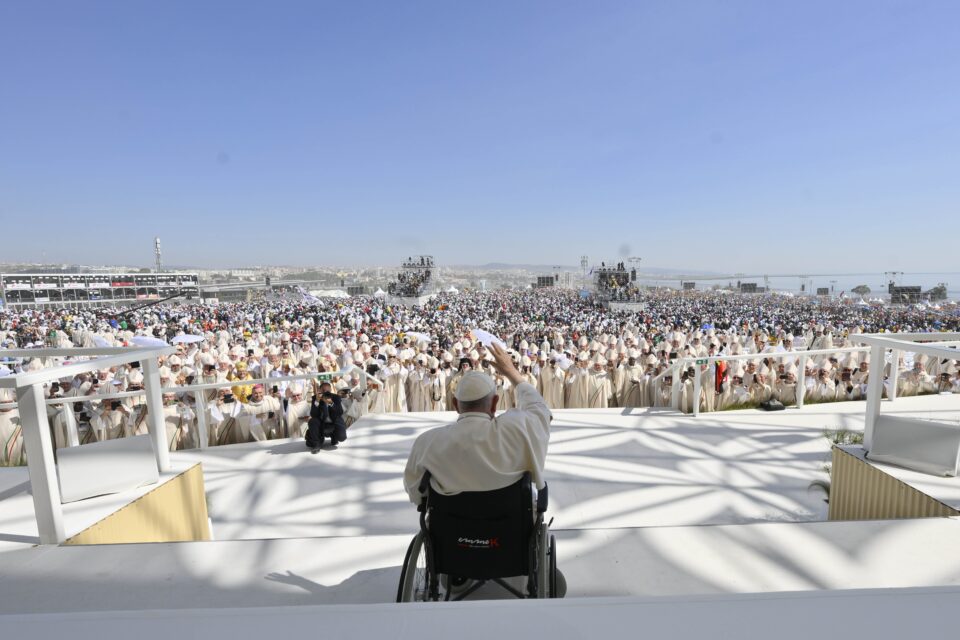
(482, 534)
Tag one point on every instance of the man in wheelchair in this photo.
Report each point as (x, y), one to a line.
(478, 484)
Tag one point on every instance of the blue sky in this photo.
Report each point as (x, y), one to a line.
(734, 136)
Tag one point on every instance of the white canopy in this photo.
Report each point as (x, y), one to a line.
(330, 293)
(379, 293)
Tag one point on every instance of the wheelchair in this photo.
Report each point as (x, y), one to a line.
(475, 537)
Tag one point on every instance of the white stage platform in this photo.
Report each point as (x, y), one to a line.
(631, 493)
(657, 561)
(18, 526)
(875, 614)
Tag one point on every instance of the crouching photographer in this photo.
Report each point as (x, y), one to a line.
(326, 418)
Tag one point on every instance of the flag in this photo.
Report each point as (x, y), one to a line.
(307, 296)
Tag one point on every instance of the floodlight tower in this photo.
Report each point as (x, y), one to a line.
(156, 253)
(584, 261)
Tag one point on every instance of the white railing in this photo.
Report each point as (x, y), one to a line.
(942, 344)
(800, 357)
(31, 404)
(32, 407)
(199, 401)
(939, 345)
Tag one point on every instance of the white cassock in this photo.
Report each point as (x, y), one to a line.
(181, 431)
(551, 385)
(255, 419)
(414, 391)
(452, 383)
(110, 425)
(786, 392)
(298, 415)
(661, 393)
(600, 390)
(824, 390)
(355, 407)
(505, 392)
(617, 376)
(11, 439)
(530, 379)
(376, 397)
(434, 392)
(578, 387)
(58, 424)
(633, 387)
(395, 389)
(732, 396)
(760, 392)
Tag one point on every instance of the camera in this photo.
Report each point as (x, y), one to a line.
(249, 352)
(845, 375)
(227, 399)
(114, 405)
(275, 389)
(372, 369)
(433, 370)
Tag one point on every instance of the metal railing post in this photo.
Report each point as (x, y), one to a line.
(696, 391)
(43, 471)
(200, 408)
(675, 386)
(70, 422)
(155, 423)
(894, 374)
(874, 391)
(801, 381)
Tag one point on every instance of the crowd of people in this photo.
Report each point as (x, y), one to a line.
(380, 358)
(409, 284)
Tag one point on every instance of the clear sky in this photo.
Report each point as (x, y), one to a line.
(726, 135)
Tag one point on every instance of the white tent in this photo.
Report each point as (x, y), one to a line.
(379, 293)
(863, 303)
(330, 293)
(452, 290)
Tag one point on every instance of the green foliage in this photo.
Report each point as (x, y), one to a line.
(843, 436)
(861, 290)
(835, 437)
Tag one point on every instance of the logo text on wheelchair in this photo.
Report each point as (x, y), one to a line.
(478, 543)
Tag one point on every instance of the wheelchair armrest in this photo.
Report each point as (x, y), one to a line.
(542, 500)
(424, 487)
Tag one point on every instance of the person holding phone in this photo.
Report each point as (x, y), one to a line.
(110, 420)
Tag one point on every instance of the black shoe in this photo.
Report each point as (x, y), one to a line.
(315, 450)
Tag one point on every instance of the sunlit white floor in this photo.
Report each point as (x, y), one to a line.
(645, 502)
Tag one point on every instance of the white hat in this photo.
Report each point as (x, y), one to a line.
(474, 385)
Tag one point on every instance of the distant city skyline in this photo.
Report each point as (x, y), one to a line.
(742, 136)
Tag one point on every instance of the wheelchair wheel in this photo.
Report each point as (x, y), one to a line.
(414, 579)
(553, 568)
(544, 573)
